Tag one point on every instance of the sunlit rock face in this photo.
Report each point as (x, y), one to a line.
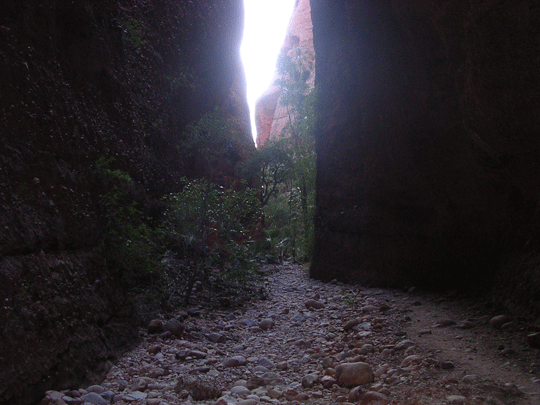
(81, 80)
(270, 116)
(427, 142)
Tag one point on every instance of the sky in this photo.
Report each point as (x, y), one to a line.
(265, 28)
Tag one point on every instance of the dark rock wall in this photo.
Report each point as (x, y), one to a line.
(428, 139)
(80, 80)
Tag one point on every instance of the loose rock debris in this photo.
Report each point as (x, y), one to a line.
(317, 343)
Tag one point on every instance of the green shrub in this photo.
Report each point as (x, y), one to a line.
(208, 229)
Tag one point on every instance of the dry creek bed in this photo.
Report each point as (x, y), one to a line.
(317, 343)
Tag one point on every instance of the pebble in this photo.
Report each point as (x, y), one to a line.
(240, 390)
(174, 326)
(94, 398)
(413, 359)
(353, 374)
(155, 326)
(266, 324)
(309, 381)
(405, 344)
(235, 361)
(498, 321)
(374, 398)
(314, 304)
(470, 379)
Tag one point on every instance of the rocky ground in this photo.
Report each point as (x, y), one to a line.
(318, 343)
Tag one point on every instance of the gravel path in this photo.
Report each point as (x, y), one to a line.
(318, 343)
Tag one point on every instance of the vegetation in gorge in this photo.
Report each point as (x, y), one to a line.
(286, 166)
(199, 237)
(208, 235)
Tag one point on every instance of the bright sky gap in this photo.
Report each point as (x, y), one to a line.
(265, 28)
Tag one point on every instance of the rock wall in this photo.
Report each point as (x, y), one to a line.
(80, 81)
(428, 152)
(270, 116)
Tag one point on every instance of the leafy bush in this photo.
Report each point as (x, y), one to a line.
(208, 229)
(129, 239)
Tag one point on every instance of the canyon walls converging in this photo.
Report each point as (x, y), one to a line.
(83, 82)
(428, 145)
(270, 116)
(428, 167)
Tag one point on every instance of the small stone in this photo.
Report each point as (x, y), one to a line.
(404, 345)
(327, 381)
(266, 363)
(445, 323)
(154, 349)
(216, 338)
(365, 349)
(407, 361)
(374, 398)
(240, 390)
(424, 332)
(309, 381)
(174, 326)
(72, 401)
(275, 393)
(353, 374)
(107, 395)
(194, 312)
(356, 394)
(314, 304)
(351, 324)
(134, 396)
(98, 389)
(470, 379)
(301, 397)
(156, 372)
(93, 398)
(155, 326)
(197, 354)
(447, 365)
(466, 325)
(248, 402)
(272, 379)
(362, 327)
(54, 395)
(327, 362)
(260, 369)
(456, 399)
(299, 318)
(266, 324)
(386, 353)
(235, 361)
(498, 321)
(282, 365)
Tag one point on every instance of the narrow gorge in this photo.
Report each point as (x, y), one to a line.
(428, 161)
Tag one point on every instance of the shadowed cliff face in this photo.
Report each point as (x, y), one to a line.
(428, 153)
(80, 81)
